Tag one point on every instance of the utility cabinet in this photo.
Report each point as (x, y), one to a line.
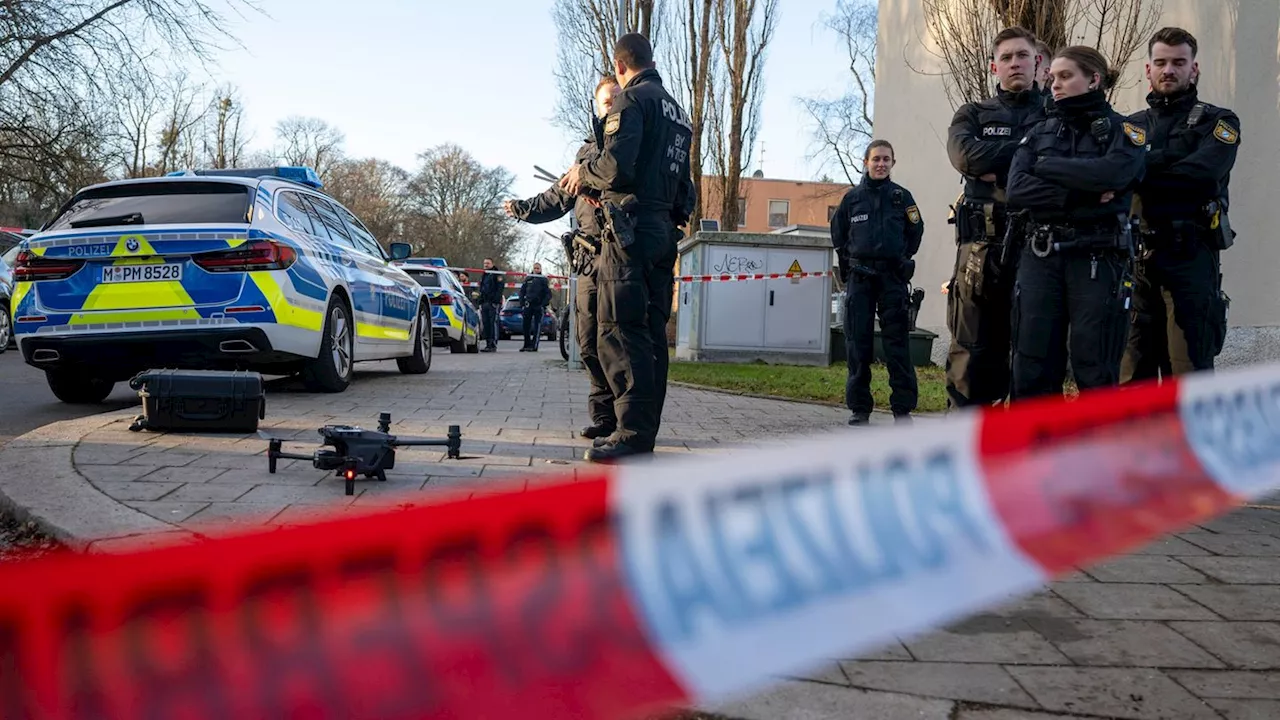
(786, 320)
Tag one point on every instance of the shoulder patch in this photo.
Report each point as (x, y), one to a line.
(1136, 135)
(1225, 133)
(913, 214)
(611, 123)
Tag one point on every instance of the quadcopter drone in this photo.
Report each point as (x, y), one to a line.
(353, 451)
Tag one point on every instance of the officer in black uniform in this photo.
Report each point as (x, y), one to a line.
(490, 304)
(1074, 175)
(876, 232)
(641, 171)
(981, 143)
(1182, 203)
(583, 248)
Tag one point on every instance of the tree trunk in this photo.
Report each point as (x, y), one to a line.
(738, 91)
(700, 65)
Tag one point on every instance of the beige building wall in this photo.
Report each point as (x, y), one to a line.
(797, 202)
(1240, 68)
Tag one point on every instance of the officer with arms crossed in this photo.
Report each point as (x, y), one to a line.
(642, 172)
(554, 204)
(1182, 203)
(1074, 173)
(877, 231)
(535, 295)
(981, 143)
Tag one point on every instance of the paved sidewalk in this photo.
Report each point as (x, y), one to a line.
(1186, 628)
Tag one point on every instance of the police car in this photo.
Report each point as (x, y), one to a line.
(455, 320)
(213, 269)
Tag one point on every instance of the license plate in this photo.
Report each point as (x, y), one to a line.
(142, 273)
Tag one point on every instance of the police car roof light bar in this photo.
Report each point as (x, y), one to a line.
(298, 174)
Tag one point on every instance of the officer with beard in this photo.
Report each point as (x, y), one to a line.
(1180, 318)
(981, 143)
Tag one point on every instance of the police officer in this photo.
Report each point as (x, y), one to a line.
(535, 295)
(981, 143)
(876, 232)
(1182, 203)
(583, 249)
(641, 171)
(1074, 175)
(490, 304)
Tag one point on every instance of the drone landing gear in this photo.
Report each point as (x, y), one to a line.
(353, 451)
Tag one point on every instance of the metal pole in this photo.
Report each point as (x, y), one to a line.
(575, 358)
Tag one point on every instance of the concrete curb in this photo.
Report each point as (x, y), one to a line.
(779, 398)
(41, 485)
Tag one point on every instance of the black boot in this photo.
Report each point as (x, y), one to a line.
(902, 418)
(860, 418)
(591, 432)
(613, 452)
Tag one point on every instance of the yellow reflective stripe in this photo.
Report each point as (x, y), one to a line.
(133, 316)
(380, 332)
(144, 247)
(137, 296)
(236, 242)
(19, 294)
(38, 251)
(286, 313)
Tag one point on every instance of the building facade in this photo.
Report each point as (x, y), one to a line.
(1240, 68)
(769, 204)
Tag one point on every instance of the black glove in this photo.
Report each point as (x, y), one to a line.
(907, 270)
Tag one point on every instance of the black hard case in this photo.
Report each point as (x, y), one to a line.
(200, 400)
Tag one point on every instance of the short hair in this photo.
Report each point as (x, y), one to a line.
(1173, 37)
(1043, 50)
(1016, 32)
(866, 157)
(1091, 61)
(634, 51)
(606, 81)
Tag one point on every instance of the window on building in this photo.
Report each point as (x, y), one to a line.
(779, 213)
(742, 212)
(831, 211)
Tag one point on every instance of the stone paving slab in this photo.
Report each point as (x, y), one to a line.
(1186, 627)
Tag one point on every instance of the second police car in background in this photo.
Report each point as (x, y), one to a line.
(455, 320)
(209, 269)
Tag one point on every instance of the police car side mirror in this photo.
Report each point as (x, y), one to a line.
(400, 251)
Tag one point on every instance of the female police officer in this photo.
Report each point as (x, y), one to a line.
(1073, 176)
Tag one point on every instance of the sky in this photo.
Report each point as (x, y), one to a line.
(400, 76)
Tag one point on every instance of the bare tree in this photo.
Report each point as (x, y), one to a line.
(224, 140)
(376, 191)
(743, 33)
(183, 114)
(692, 65)
(455, 208)
(843, 125)
(139, 111)
(587, 30)
(962, 31)
(309, 141)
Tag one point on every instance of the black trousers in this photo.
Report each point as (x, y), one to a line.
(1075, 298)
(627, 281)
(886, 293)
(1180, 318)
(661, 294)
(489, 324)
(600, 399)
(979, 318)
(532, 324)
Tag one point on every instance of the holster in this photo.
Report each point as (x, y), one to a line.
(619, 225)
(1220, 232)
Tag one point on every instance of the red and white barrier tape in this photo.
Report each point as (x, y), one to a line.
(554, 286)
(502, 272)
(640, 586)
(725, 277)
(18, 230)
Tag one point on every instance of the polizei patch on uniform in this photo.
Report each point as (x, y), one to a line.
(913, 214)
(611, 123)
(1227, 134)
(861, 218)
(997, 131)
(1136, 135)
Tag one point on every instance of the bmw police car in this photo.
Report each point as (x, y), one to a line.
(455, 320)
(210, 269)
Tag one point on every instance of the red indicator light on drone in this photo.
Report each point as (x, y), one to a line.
(351, 474)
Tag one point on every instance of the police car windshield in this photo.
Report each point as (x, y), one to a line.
(8, 241)
(426, 278)
(160, 203)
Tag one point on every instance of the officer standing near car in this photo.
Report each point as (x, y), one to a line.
(981, 143)
(1182, 204)
(583, 250)
(535, 295)
(640, 172)
(490, 304)
(876, 231)
(1074, 175)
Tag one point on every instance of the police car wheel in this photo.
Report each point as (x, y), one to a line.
(74, 387)
(475, 346)
(420, 362)
(6, 327)
(332, 370)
